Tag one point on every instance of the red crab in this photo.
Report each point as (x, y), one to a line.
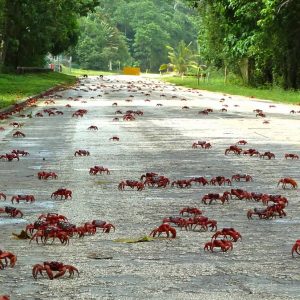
(49, 102)
(5, 255)
(202, 144)
(16, 124)
(164, 228)
(292, 156)
(148, 175)
(241, 194)
(239, 177)
(154, 179)
(10, 156)
(128, 117)
(242, 142)
(19, 134)
(12, 211)
(261, 114)
(18, 198)
(52, 218)
(2, 196)
(131, 183)
(46, 175)
(37, 225)
(223, 244)
(220, 180)
(214, 196)
(62, 193)
(190, 211)
(251, 152)
(53, 266)
(296, 248)
(225, 232)
(204, 223)
(183, 183)
(93, 127)
(98, 169)
(200, 180)
(115, 138)
(286, 181)
(235, 149)
(82, 153)
(268, 155)
(20, 152)
(106, 227)
(269, 212)
(45, 233)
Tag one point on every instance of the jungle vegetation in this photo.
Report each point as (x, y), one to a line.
(31, 29)
(258, 41)
(134, 32)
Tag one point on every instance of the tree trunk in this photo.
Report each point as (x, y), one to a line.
(244, 68)
(225, 74)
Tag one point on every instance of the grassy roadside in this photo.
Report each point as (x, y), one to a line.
(217, 85)
(80, 72)
(16, 87)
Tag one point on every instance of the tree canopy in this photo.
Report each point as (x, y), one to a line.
(182, 57)
(99, 43)
(259, 39)
(31, 29)
(143, 27)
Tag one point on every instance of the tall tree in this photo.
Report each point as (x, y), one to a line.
(31, 29)
(264, 47)
(150, 25)
(99, 44)
(149, 46)
(182, 57)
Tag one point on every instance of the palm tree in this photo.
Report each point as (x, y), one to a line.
(182, 57)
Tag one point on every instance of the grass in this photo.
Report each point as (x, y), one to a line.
(16, 87)
(217, 85)
(80, 72)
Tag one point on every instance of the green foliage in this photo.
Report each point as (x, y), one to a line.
(149, 45)
(120, 31)
(163, 68)
(99, 44)
(182, 57)
(31, 29)
(258, 39)
(150, 25)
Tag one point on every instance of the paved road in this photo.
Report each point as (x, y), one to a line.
(259, 267)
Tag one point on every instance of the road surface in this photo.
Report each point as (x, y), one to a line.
(259, 267)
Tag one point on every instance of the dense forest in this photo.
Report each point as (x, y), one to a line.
(31, 29)
(257, 40)
(134, 32)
